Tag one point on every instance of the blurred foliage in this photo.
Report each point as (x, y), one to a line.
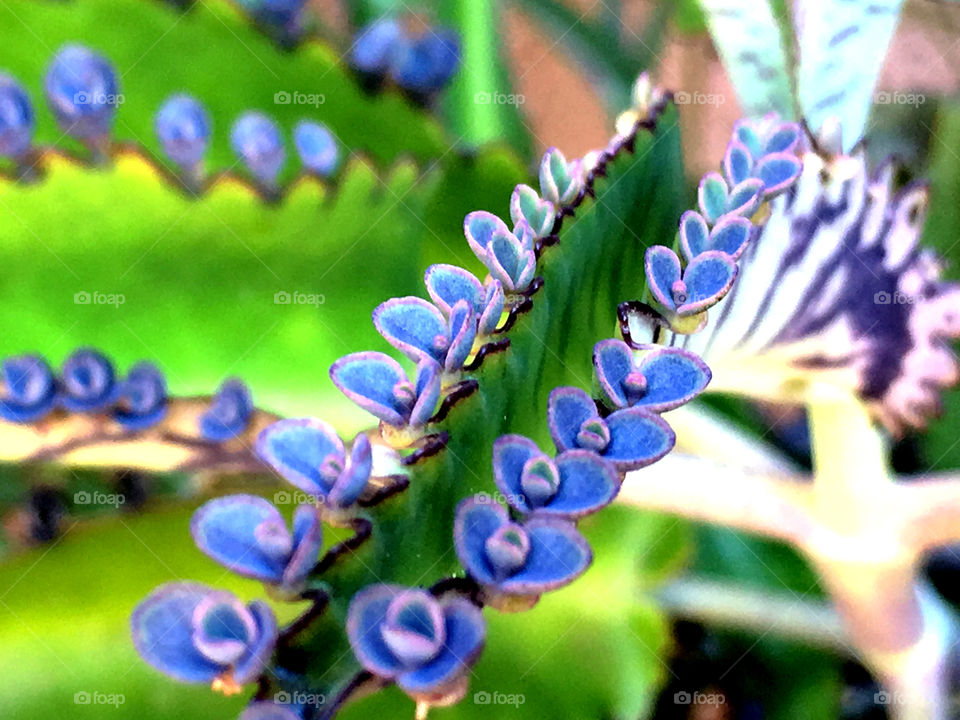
(481, 105)
(212, 51)
(795, 682)
(941, 449)
(611, 54)
(77, 639)
(200, 276)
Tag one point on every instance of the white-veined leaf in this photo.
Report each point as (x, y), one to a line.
(747, 36)
(842, 44)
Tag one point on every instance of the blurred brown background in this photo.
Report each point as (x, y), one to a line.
(564, 109)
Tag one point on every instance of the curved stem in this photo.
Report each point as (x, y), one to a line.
(901, 629)
(362, 530)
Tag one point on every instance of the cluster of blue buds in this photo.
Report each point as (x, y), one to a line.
(184, 129)
(88, 384)
(760, 163)
(82, 90)
(515, 562)
(426, 641)
(84, 95)
(764, 149)
(420, 63)
(207, 635)
(466, 313)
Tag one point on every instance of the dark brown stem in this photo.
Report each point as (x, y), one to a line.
(466, 586)
(329, 710)
(398, 483)
(487, 349)
(362, 530)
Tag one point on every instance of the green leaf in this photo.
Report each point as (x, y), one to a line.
(941, 230)
(213, 52)
(750, 40)
(689, 17)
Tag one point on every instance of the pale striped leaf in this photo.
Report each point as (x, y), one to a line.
(749, 39)
(842, 44)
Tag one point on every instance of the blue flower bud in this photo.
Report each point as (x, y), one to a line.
(406, 635)
(16, 119)
(142, 400)
(629, 439)
(425, 64)
(196, 634)
(88, 382)
(311, 456)
(317, 148)
(229, 412)
(688, 292)
(29, 389)
(378, 384)
(517, 560)
(248, 535)
(375, 46)
(256, 140)
(83, 93)
(279, 13)
(419, 330)
(574, 484)
(659, 379)
(183, 128)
